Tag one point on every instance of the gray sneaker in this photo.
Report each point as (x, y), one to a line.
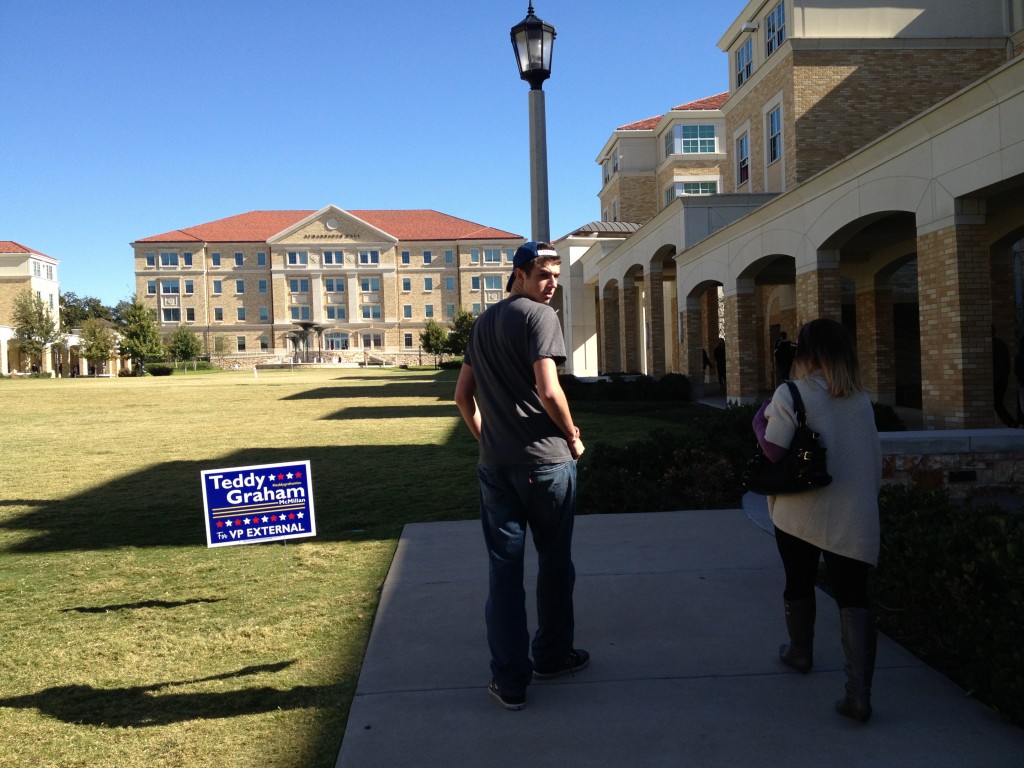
(508, 702)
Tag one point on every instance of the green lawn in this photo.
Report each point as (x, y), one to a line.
(126, 641)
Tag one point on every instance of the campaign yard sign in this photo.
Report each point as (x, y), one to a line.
(264, 502)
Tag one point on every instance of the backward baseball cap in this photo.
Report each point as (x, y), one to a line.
(526, 253)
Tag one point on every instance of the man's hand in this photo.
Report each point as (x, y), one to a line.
(576, 447)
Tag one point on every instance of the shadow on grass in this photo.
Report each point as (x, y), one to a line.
(359, 493)
(441, 389)
(140, 605)
(150, 705)
(446, 410)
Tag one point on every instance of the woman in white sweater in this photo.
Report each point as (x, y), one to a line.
(839, 521)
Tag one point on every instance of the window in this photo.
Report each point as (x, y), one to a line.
(406, 257)
(239, 286)
(492, 282)
(186, 259)
(37, 268)
(606, 169)
(298, 258)
(150, 259)
(449, 283)
(449, 311)
(151, 287)
(774, 143)
(428, 256)
(334, 257)
(261, 258)
(217, 286)
(335, 313)
(428, 310)
(240, 313)
(334, 285)
(369, 257)
(492, 255)
(189, 288)
(298, 285)
(509, 255)
(300, 313)
(743, 159)
(169, 286)
(474, 256)
(475, 283)
(681, 188)
(218, 314)
(406, 284)
(168, 259)
(336, 340)
(408, 340)
(774, 30)
(407, 311)
(449, 256)
(262, 286)
(690, 139)
(370, 284)
(172, 315)
(371, 311)
(428, 284)
(264, 315)
(240, 341)
(239, 259)
(190, 314)
(264, 342)
(372, 340)
(476, 310)
(215, 259)
(744, 62)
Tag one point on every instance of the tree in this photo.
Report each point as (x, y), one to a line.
(185, 344)
(434, 339)
(35, 327)
(99, 341)
(140, 336)
(74, 311)
(458, 338)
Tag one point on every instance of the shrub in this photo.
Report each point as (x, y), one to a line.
(160, 369)
(886, 419)
(950, 587)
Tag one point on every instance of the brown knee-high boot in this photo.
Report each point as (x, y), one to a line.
(799, 654)
(860, 643)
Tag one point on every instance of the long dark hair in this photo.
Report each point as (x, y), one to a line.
(825, 346)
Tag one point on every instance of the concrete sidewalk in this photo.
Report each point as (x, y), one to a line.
(682, 614)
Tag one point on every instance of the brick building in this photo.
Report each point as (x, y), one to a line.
(20, 268)
(871, 169)
(332, 285)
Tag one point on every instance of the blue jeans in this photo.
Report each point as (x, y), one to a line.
(543, 497)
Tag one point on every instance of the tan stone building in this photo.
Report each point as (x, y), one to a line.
(330, 285)
(872, 170)
(20, 268)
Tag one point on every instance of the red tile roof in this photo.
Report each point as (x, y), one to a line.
(259, 226)
(707, 103)
(9, 246)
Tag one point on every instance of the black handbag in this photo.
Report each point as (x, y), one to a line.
(802, 469)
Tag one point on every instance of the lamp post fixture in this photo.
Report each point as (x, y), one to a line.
(533, 40)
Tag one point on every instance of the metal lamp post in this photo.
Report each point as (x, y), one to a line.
(533, 41)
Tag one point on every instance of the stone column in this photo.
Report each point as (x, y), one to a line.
(956, 320)
(611, 358)
(743, 343)
(629, 332)
(875, 344)
(692, 343)
(654, 299)
(818, 290)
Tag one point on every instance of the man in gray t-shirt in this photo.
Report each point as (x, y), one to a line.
(510, 398)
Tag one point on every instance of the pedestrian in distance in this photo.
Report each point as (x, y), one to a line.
(719, 353)
(783, 353)
(510, 397)
(839, 521)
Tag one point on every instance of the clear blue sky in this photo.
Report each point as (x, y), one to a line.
(129, 118)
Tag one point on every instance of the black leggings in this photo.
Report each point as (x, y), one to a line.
(848, 577)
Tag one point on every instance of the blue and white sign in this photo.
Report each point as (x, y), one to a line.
(266, 502)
